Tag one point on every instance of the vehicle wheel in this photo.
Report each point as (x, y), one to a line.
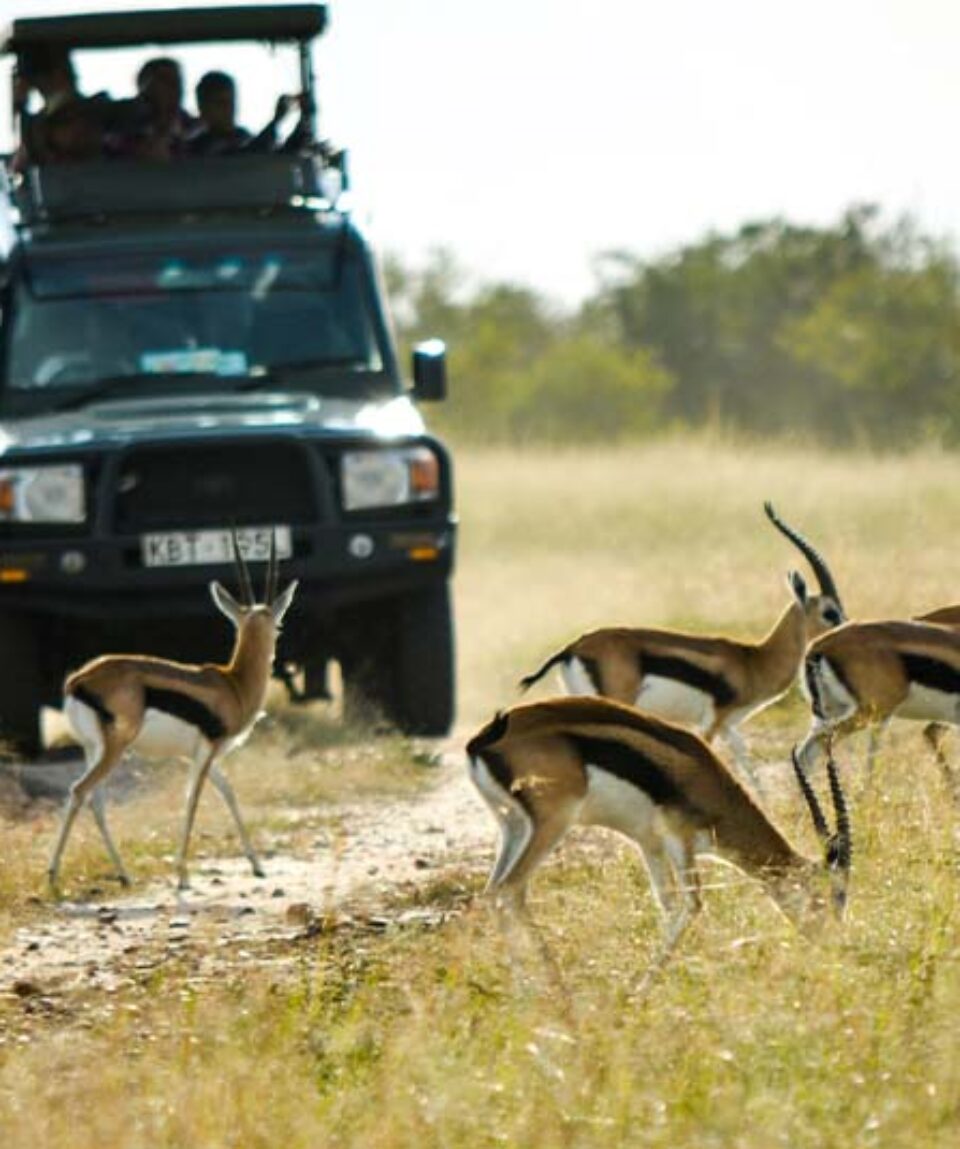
(21, 686)
(369, 679)
(425, 663)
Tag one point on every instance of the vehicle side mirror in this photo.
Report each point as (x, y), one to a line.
(430, 370)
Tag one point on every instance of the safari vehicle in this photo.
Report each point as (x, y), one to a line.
(199, 346)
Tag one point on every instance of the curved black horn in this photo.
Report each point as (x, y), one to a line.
(809, 552)
(243, 574)
(270, 588)
(816, 812)
(842, 840)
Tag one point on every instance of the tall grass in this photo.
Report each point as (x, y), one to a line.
(455, 1034)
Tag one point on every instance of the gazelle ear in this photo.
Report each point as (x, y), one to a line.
(226, 603)
(797, 587)
(281, 604)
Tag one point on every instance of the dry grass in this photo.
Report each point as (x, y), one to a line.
(454, 1035)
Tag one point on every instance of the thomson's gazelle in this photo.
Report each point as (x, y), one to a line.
(866, 673)
(164, 709)
(711, 683)
(546, 766)
(933, 732)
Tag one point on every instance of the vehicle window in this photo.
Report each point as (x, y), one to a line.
(76, 321)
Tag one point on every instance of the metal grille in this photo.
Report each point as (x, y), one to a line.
(168, 488)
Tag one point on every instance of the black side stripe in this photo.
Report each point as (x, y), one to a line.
(932, 673)
(95, 702)
(187, 709)
(680, 670)
(633, 766)
(811, 672)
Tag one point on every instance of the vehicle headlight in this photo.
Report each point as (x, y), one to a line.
(50, 494)
(389, 478)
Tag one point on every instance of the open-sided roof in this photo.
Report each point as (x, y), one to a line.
(273, 23)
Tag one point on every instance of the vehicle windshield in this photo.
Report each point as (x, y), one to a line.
(148, 323)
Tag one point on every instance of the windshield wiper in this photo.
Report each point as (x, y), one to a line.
(110, 383)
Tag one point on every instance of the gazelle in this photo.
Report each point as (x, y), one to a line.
(545, 766)
(933, 732)
(710, 683)
(165, 709)
(866, 673)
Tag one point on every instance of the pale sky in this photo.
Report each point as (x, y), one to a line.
(529, 135)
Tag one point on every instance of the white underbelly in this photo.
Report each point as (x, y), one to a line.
(676, 701)
(926, 704)
(616, 804)
(164, 736)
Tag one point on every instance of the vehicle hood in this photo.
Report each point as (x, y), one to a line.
(116, 423)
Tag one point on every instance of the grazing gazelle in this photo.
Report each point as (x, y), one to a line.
(545, 766)
(165, 709)
(866, 673)
(708, 682)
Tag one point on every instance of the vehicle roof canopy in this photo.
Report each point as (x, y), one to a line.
(273, 23)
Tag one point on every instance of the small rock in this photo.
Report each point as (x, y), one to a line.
(279, 892)
(23, 987)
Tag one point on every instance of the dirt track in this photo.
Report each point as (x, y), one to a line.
(386, 848)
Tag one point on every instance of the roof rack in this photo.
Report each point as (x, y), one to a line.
(108, 189)
(273, 23)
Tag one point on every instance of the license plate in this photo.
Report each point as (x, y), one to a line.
(198, 548)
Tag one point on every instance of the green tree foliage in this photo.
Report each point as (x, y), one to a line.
(522, 371)
(844, 332)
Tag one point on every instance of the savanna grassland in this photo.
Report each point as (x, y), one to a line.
(445, 1032)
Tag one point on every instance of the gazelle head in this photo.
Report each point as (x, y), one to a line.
(823, 611)
(265, 616)
(806, 901)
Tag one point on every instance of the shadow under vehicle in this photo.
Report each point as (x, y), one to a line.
(196, 346)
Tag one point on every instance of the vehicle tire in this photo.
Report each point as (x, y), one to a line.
(425, 663)
(21, 686)
(369, 679)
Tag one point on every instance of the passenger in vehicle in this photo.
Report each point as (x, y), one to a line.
(74, 132)
(49, 72)
(219, 134)
(161, 128)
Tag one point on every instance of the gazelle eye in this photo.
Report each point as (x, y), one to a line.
(832, 616)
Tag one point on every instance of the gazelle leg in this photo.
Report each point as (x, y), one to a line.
(101, 759)
(738, 747)
(219, 779)
(874, 741)
(508, 880)
(934, 733)
(98, 806)
(516, 829)
(510, 889)
(201, 768)
(675, 880)
(813, 747)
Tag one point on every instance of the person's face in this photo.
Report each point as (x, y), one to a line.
(219, 110)
(164, 89)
